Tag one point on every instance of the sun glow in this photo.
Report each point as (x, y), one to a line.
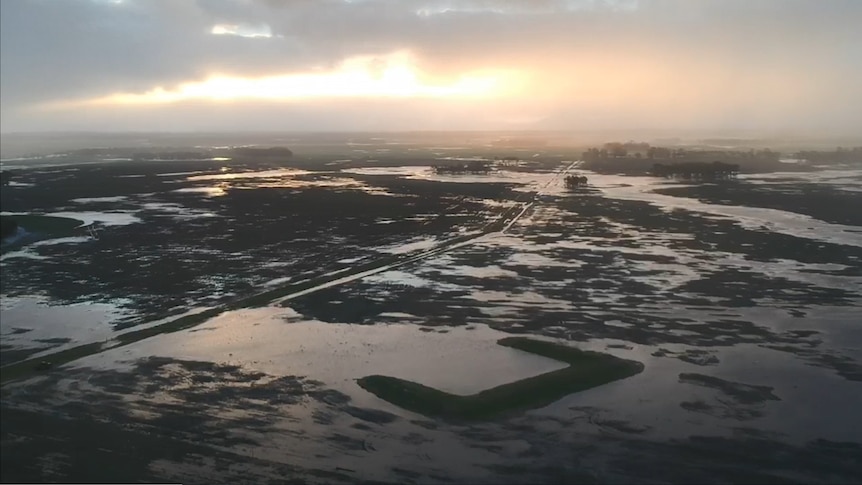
(391, 76)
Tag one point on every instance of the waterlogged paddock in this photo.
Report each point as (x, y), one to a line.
(164, 247)
(279, 341)
(741, 300)
(31, 325)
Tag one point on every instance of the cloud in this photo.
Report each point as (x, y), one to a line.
(390, 76)
(708, 63)
(242, 30)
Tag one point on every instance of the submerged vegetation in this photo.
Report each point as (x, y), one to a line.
(586, 370)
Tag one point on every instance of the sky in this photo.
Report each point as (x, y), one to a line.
(368, 65)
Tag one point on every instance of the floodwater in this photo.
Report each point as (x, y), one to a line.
(31, 324)
(746, 317)
(780, 221)
(278, 341)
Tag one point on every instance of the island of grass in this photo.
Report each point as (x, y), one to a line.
(586, 370)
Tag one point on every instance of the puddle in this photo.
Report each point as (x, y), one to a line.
(175, 210)
(23, 253)
(89, 200)
(399, 278)
(75, 324)
(178, 174)
(207, 191)
(419, 244)
(61, 240)
(112, 218)
(445, 267)
(284, 172)
(103, 218)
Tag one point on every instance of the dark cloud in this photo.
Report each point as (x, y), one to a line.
(771, 62)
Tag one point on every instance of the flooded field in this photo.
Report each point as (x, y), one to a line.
(742, 299)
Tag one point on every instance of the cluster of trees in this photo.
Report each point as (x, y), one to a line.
(617, 150)
(573, 181)
(604, 153)
(762, 156)
(472, 166)
(660, 153)
(631, 158)
(697, 170)
(840, 155)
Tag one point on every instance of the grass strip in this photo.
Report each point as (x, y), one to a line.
(586, 370)
(26, 368)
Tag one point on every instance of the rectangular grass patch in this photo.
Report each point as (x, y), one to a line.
(586, 370)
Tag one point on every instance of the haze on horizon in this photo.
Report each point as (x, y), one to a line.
(342, 65)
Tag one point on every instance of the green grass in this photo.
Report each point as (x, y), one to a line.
(586, 370)
(175, 325)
